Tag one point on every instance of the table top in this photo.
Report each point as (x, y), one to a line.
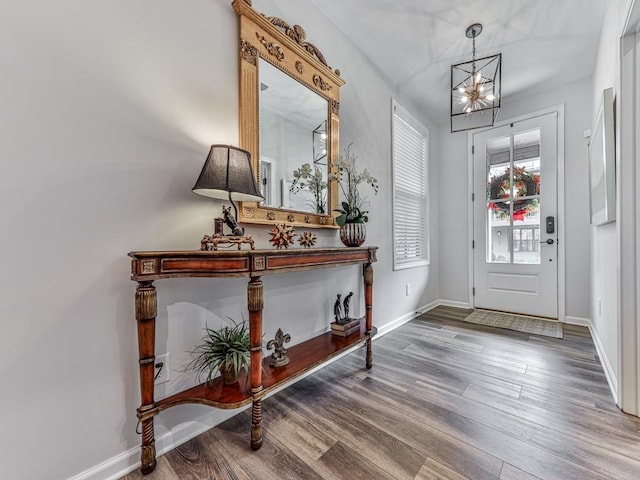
(153, 265)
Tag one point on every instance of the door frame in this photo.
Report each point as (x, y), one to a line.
(628, 204)
(560, 222)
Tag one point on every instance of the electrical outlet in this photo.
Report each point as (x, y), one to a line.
(161, 371)
(408, 289)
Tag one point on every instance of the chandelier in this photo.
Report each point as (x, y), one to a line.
(475, 89)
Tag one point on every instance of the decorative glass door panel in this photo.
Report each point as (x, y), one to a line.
(513, 173)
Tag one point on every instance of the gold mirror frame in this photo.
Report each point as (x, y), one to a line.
(286, 48)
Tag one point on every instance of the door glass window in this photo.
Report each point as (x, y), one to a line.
(513, 198)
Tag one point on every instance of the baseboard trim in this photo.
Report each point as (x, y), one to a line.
(582, 322)
(427, 307)
(606, 364)
(454, 303)
(389, 327)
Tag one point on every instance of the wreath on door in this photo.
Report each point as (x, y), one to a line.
(525, 184)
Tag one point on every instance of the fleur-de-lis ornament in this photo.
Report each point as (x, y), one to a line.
(279, 356)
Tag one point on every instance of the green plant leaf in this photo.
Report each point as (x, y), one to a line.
(229, 345)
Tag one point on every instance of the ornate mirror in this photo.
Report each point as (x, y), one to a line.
(289, 122)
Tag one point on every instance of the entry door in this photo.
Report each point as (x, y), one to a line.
(515, 217)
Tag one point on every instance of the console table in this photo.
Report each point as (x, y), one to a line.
(146, 267)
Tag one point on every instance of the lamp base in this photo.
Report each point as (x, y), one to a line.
(211, 242)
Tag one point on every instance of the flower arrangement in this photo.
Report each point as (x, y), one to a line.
(349, 179)
(311, 179)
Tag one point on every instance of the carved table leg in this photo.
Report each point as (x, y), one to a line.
(146, 309)
(256, 303)
(367, 273)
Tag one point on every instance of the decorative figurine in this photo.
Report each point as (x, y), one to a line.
(337, 310)
(343, 325)
(307, 239)
(279, 356)
(347, 299)
(231, 222)
(282, 236)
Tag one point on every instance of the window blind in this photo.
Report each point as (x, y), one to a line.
(410, 215)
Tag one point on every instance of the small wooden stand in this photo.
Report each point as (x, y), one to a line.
(211, 242)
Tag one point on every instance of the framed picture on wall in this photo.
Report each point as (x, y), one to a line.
(602, 163)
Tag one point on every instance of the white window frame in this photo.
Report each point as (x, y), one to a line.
(400, 261)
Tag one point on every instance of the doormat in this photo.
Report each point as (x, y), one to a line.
(521, 323)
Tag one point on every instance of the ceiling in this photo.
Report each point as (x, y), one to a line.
(544, 43)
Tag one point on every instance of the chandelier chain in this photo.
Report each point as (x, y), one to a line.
(473, 55)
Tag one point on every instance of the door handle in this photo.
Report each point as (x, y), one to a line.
(549, 241)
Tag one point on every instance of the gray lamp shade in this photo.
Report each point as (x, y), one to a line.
(227, 174)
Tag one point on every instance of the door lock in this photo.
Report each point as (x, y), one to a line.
(550, 223)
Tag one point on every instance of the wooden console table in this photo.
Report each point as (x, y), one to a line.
(146, 267)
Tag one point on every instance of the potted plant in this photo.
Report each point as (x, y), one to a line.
(353, 215)
(226, 350)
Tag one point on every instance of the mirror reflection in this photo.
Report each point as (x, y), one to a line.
(293, 143)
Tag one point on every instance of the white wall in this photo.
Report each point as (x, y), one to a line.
(604, 252)
(453, 164)
(605, 238)
(107, 115)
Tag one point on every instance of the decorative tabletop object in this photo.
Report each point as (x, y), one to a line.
(227, 173)
(307, 239)
(211, 242)
(343, 325)
(279, 356)
(341, 308)
(353, 215)
(226, 350)
(282, 235)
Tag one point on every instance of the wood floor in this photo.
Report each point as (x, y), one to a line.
(444, 400)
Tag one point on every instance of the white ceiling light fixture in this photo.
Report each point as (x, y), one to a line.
(475, 89)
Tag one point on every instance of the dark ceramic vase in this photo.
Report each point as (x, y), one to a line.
(353, 234)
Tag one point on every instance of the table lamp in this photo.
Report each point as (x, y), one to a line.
(227, 174)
